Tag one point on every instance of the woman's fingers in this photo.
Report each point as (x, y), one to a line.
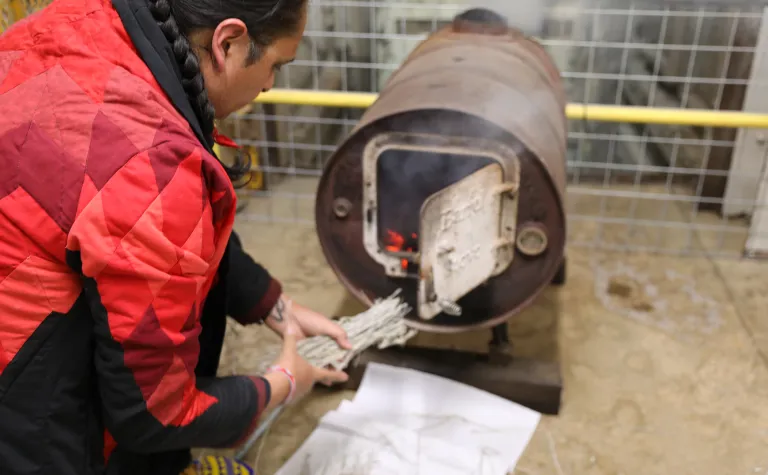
(340, 335)
(329, 377)
(289, 341)
(332, 329)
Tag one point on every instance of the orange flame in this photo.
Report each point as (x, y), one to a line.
(396, 244)
(396, 241)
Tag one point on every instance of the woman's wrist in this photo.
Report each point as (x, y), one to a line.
(280, 310)
(279, 316)
(282, 386)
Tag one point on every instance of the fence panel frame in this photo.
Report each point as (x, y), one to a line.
(742, 191)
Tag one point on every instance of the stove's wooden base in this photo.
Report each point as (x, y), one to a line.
(534, 384)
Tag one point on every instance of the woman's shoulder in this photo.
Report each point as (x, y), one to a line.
(78, 78)
(90, 122)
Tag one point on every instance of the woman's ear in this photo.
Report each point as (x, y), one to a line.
(229, 36)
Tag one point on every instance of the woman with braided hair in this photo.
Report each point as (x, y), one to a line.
(118, 263)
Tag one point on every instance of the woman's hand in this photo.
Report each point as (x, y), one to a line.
(305, 322)
(304, 374)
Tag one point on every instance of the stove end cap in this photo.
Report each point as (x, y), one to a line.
(480, 21)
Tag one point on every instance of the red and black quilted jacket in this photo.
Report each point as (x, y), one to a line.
(117, 259)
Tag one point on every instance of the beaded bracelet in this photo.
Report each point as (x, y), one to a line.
(280, 369)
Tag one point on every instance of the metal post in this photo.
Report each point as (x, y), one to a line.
(749, 150)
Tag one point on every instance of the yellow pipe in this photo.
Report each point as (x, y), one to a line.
(18, 10)
(304, 97)
(667, 116)
(595, 112)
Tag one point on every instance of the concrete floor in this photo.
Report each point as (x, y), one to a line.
(664, 359)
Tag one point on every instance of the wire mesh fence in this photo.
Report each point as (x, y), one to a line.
(656, 188)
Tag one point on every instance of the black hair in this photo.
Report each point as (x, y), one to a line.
(266, 20)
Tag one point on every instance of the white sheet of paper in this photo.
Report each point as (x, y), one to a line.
(446, 409)
(354, 443)
(406, 391)
(404, 422)
(417, 447)
(502, 443)
(328, 452)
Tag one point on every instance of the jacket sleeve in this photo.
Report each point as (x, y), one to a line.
(143, 242)
(251, 291)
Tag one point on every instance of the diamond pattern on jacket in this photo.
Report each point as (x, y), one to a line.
(129, 187)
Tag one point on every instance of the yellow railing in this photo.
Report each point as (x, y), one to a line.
(602, 113)
(12, 11)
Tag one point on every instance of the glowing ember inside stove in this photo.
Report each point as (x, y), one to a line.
(405, 179)
(397, 244)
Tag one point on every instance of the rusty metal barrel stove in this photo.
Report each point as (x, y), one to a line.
(451, 186)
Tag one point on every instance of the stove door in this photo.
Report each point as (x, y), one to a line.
(460, 240)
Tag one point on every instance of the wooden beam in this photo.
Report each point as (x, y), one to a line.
(534, 384)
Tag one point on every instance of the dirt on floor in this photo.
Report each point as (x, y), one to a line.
(664, 359)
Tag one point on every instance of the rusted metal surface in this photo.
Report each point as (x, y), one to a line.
(473, 83)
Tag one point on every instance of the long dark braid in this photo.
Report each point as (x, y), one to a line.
(270, 18)
(192, 78)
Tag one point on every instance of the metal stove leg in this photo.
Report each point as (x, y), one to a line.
(560, 277)
(499, 348)
(500, 335)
